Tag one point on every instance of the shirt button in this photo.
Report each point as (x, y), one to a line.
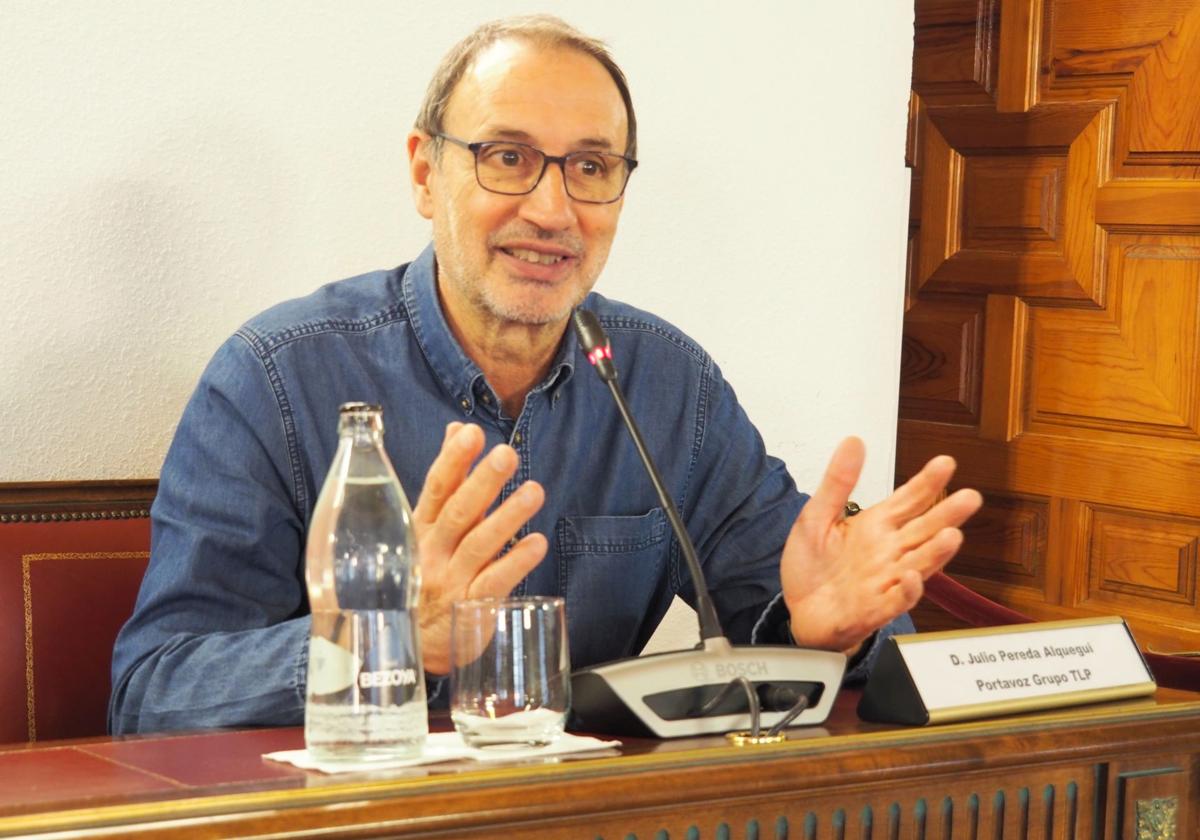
(487, 400)
(517, 438)
(465, 403)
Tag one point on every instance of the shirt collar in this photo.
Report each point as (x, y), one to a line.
(453, 368)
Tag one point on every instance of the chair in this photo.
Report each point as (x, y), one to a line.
(968, 608)
(66, 587)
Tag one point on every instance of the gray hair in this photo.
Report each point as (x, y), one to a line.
(541, 30)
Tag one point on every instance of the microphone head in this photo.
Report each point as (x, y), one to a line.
(595, 343)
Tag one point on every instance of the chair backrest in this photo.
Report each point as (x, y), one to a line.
(967, 608)
(66, 587)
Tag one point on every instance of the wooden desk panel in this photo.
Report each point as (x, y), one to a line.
(1126, 770)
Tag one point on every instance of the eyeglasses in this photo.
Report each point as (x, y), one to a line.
(517, 168)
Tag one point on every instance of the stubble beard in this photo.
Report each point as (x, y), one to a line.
(490, 299)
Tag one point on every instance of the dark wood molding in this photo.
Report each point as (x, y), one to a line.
(1086, 772)
(66, 501)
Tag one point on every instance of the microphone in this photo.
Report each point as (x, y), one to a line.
(681, 693)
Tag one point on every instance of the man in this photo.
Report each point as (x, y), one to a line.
(520, 158)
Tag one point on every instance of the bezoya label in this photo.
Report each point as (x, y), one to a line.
(332, 668)
(388, 677)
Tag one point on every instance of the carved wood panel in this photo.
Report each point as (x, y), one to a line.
(942, 361)
(1055, 248)
(1008, 546)
(1140, 564)
(1058, 804)
(1132, 367)
(1148, 800)
(955, 44)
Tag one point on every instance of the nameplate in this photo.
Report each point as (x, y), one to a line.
(964, 674)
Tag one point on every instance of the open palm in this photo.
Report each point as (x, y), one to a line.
(844, 578)
(466, 551)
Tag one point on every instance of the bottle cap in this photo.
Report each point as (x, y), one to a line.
(359, 408)
(359, 415)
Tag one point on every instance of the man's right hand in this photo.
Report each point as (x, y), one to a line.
(459, 542)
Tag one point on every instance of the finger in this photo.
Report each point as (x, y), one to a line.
(904, 595)
(498, 579)
(466, 506)
(461, 445)
(950, 512)
(916, 495)
(489, 537)
(912, 585)
(828, 504)
(899, 596)
(934, 553)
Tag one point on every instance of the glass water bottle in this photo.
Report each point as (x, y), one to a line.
(366, 687)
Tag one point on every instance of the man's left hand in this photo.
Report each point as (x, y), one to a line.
(844, 578)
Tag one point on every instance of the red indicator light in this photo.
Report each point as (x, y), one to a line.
(599, 353)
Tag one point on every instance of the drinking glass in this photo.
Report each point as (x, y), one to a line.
(510, 671)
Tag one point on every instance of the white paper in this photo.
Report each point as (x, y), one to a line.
(446, 746)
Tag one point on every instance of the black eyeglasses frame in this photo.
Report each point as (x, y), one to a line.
(561, 160)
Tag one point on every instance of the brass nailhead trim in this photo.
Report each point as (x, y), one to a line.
(74, 516)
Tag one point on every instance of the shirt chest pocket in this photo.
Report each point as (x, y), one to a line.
(611, 568)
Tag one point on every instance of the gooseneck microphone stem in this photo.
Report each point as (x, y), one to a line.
(710, 625)
(599, 352)
(694, 692)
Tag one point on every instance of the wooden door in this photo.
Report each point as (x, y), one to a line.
(1052, 332)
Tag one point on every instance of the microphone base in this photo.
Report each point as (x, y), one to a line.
(660, 695)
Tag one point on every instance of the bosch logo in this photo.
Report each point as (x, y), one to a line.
(732, 670)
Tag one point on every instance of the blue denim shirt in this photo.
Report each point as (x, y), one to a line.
(220, 631)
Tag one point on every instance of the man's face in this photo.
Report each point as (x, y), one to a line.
(524, 259)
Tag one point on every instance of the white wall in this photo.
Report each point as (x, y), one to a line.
(169, 169)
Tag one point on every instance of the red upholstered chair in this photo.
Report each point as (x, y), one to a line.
(968, 608)
(66, 587)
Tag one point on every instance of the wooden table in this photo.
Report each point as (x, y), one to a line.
(1127, 770)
